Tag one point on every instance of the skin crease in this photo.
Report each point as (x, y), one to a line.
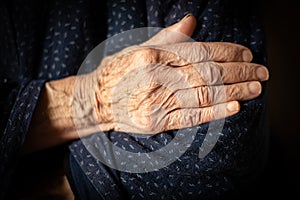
(163, 84)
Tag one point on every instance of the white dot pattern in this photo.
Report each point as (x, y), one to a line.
(47, 41)
(41, 41)
(189, 177)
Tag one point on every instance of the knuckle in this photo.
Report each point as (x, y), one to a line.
(207, 115)
(211, 73)
(220, 72)
(185, 119)
(204, 50)
(204, 96)
(243, 72)
(234, 92)
(145, 56)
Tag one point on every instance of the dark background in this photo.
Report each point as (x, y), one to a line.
(281, 177)
(282, 22)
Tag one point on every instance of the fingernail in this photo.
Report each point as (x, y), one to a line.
(255, 87)
(262, 73)
(233, 106)
(187, 16)
(247, 56)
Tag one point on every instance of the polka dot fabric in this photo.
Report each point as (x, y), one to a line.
(44, 41)
(39, 42)
(241, 143)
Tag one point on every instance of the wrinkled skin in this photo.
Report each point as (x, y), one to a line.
(162, 84)
(166, 84)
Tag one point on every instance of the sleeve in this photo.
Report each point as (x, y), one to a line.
(17, 124)
(18, 99)
(40, 41)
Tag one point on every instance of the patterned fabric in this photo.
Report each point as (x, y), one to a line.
(43, 41)
(40, 41)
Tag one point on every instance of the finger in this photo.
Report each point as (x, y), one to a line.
(212, 73)
(195, 52)
(210, 95)
(231, 72)
(179, 32)
(183, 118)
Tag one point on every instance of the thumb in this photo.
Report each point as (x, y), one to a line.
(179, 32)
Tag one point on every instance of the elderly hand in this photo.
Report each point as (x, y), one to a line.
(163, 84)
(166, 83)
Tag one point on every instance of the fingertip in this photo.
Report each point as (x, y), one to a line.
(255, 87)
(190, 21)
(233, 107)
(262, 73)
(247, 55)
(178, 32)
(190, 18)
(187, 16)
(186, 25)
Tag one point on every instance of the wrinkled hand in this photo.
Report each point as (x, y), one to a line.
(167, 83)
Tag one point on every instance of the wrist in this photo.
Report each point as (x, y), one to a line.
(58, 99)
(52, 122)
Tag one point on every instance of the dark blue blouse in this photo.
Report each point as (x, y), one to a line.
(47, 40)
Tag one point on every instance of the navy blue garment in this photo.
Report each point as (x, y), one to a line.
(40, 41)
(44, 41)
